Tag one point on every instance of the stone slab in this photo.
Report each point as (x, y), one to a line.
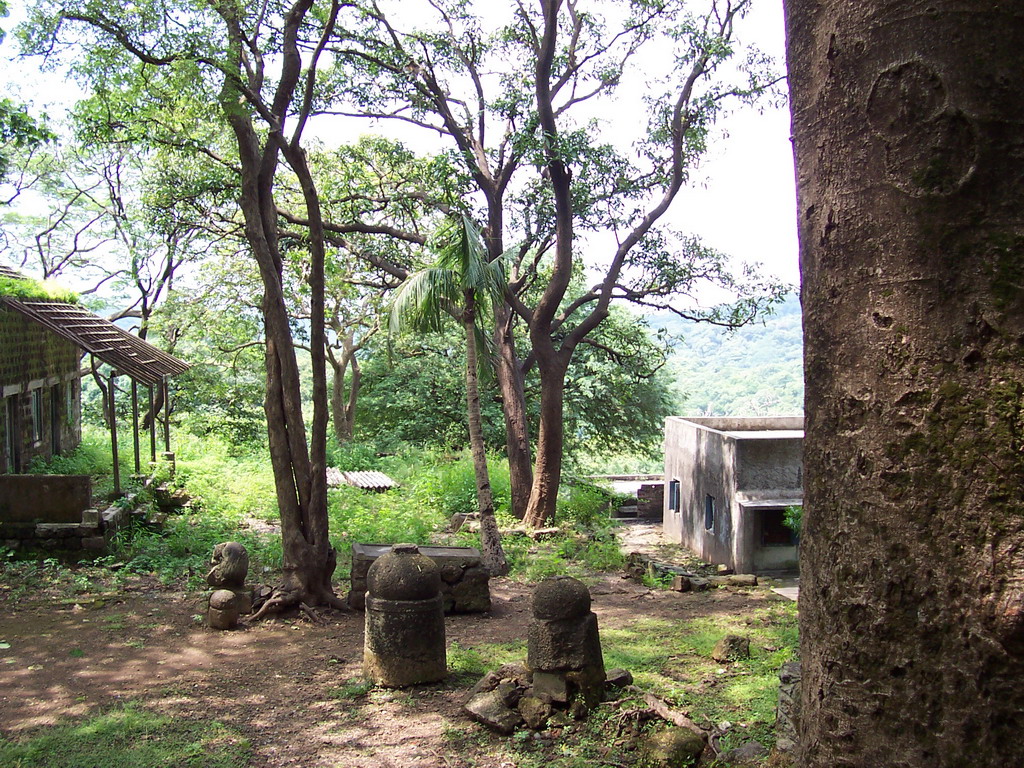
(465, 584)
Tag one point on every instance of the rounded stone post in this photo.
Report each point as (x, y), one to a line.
(223, 611)
(564, 648)
(404, 643)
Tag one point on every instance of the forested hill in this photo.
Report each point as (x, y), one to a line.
(752, 371)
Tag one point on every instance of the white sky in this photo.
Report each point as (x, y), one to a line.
(743, 199)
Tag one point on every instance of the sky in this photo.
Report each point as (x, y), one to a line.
(741, 198)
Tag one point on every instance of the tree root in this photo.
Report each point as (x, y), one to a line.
(286, 597)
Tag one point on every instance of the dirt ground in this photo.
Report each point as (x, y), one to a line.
(273, 682)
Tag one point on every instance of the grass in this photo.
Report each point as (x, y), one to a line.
(670, 659)
(468, 664)
(673, 660)
(129, 737)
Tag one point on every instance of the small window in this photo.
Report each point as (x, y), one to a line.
(673, 496)
(37, 415)
(709, 513)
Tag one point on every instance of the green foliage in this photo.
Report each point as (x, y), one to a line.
(351, 456)
(617, 393)
(470, 663)
(129, 737)
(793, 517)
(28, 288)
(354, 688)
(92, 457)
(414, 391)
(673, 660)
(756, 370)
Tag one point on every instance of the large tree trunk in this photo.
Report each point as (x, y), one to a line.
(343, 406)
(509, 374)
(909, 137)
(491, 552)
(308, 559)
(550, 439)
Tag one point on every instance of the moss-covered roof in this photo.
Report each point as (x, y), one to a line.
(15, 285)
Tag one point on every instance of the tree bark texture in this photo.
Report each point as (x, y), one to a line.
(908, 123)
(308, 559)
(509, 374)
(491, 552)
(343, 406)
(550, 439)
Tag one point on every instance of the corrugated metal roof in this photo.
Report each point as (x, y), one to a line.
(367, 481)
(125, 353)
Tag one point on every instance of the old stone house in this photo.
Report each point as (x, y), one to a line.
(728, 483)
(42, 343)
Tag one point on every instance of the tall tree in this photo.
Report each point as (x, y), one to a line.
(464, 285)
(907, 124)
(511, 96)
(259, 66)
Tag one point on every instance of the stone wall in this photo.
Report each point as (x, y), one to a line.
(29, 352)
(465, 583)
(40, 393)
(44, 498)
(87, 534)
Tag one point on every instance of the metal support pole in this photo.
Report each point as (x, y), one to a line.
(167, 415)
(135, 424)
(152, 426)
(113, 435)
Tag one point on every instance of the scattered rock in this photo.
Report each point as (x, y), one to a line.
(724, 570)
(551, 687)
(681, 583)
(731, 648)
(698, 584)
(750, 754)
(514, 673)
(490, 709)
(618, 678)
(672, 747)
(535, 712)
(735, 580)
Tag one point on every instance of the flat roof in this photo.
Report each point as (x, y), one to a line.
(766, 434)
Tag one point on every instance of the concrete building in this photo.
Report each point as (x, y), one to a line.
(729, 481)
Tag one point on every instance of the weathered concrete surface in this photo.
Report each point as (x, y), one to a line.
(44, 498)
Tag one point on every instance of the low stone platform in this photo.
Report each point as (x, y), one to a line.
(465, 583)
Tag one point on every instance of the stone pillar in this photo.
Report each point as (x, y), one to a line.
(404, 642)
(564, 648)
(223, 611)
(787, 713)
(228, 568)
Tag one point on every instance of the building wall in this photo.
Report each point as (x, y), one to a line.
(770, 465)
(703, 462)
(708, 462)
(40, 393)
